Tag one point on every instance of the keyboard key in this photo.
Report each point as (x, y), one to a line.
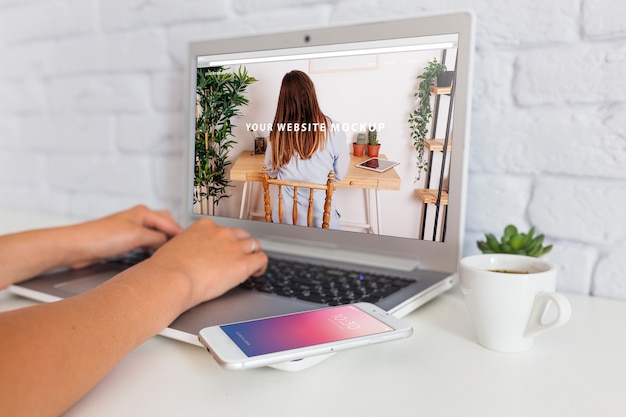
(322, 285)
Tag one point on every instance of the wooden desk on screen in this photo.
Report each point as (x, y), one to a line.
(248, 169)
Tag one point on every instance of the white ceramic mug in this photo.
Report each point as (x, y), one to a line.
(507, 297)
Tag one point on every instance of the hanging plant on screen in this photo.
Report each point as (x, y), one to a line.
(420, 117)
(219, 97)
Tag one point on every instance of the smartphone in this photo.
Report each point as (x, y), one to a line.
(290, 337)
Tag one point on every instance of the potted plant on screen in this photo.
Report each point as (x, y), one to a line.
(420, 117)
(445, 79)
(373, 146)
(513, 242)
(220, 94)
(358, 147)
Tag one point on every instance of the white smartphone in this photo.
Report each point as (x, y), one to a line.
(273, 340)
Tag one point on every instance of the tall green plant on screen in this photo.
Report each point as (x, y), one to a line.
(219, 97)
(421, 115)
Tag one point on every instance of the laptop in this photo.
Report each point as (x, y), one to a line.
(364, 74)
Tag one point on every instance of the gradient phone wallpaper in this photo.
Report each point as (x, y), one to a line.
(303, 329)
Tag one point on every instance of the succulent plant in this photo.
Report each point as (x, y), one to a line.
(361, 138)
(514, 242)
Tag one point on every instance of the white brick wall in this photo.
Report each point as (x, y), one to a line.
(91, 110)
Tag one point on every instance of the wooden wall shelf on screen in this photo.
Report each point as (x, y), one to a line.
(434, 194)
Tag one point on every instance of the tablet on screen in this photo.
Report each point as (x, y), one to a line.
(377, 164)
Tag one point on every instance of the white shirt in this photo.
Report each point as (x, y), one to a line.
(334, 156)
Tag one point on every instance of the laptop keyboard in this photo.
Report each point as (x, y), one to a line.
(309, 282)
(129, 259)
(324, 285)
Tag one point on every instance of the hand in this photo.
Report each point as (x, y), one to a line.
(212, 258)
(138, 227)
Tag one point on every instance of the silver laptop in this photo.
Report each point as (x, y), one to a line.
(365, 74)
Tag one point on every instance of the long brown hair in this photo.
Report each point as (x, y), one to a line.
(297, 105)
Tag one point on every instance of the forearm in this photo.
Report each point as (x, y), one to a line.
(27, 254)
(24, 255)
(54, 353)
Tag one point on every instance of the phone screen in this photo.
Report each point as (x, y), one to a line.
(309, 328)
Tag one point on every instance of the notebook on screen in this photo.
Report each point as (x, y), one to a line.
(365, 77)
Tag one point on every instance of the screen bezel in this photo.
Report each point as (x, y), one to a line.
(389, 251)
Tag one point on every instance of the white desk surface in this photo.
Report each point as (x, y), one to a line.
(576, 370)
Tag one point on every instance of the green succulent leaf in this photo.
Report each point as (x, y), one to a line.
(545, 250)
(517, 241)
(493, 242)
(483, 246)
(528, 237)
(506, 248)
(509, 232)
(514, 242)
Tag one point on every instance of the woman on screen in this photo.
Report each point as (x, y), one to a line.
(304, 146)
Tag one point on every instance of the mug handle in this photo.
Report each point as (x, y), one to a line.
(535, 324)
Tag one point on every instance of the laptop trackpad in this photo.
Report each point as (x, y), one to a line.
(79, 286)
(238, 305)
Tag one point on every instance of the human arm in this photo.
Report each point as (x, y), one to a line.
(52, 354)
(267, 160)
(27, 254)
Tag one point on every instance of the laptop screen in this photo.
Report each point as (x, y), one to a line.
(256, 102)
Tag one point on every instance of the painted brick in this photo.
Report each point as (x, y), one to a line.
(9, 133)
(153, 134)
(561, 141)
(580, 209)
(42, 20)
(22, 96)
(494, 201)
(168, 183)
(106, 175)
(24, 60)
(106, 93)
(310, 14)
(7, 4)
(168, 91)
(361, 10)
(581, 74)
(575, 265)
(609, 275)
(36, 198)
(21, 170)
(252, 6)
(603, 18)
(493, 76)
(469, 244)
(131, 14)
(144, 50)
(75, 134)
(508, 23)
(89, 205)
